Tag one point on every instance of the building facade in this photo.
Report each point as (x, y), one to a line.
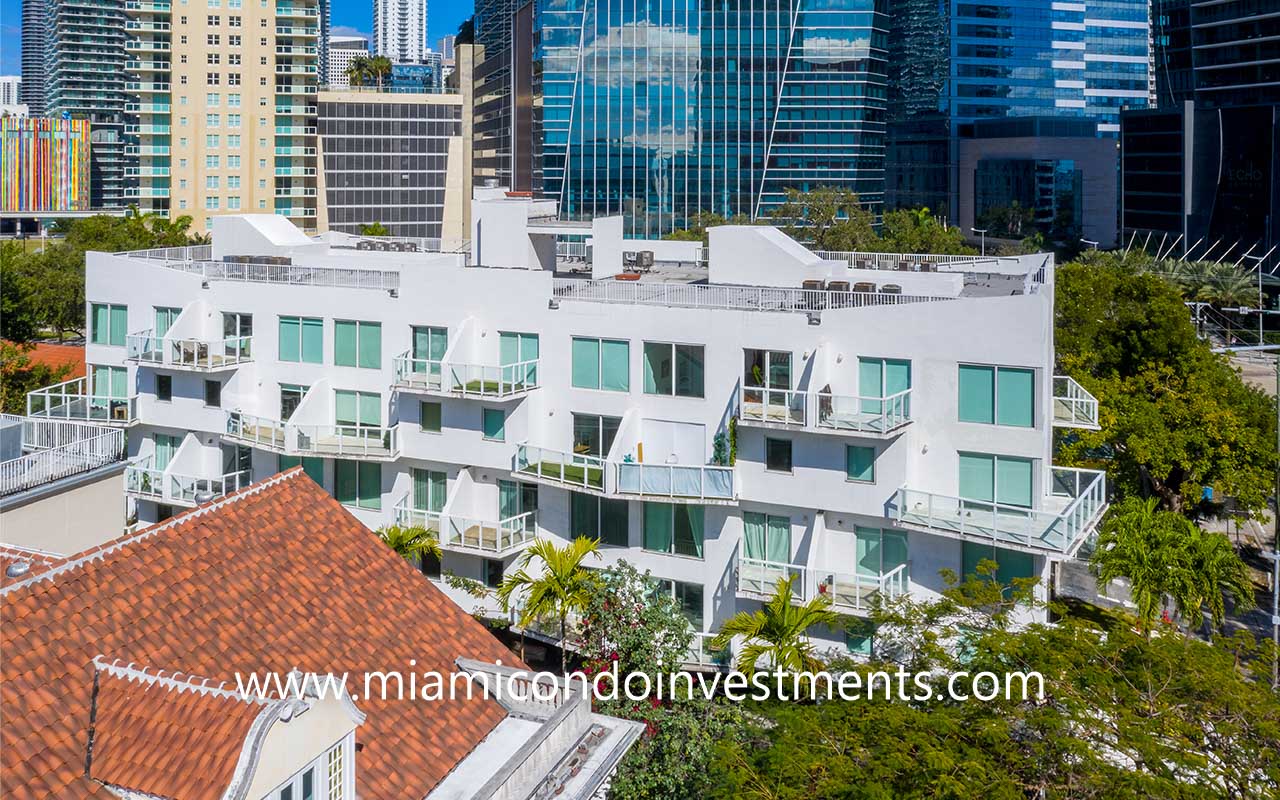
(493, 88)
(44, 164)
(400, 30)
(659, 113)
(392, 158)
(34, 54)
(10, 90)
(721, 430)
(342, 51)
(956, 63)
(223, 108)
(85, 63)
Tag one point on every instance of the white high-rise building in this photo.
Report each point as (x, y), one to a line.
(400, 30)
(342, 51)
(722, 417)
(9, 90)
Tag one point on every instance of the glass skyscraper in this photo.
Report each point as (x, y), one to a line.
(659, 110)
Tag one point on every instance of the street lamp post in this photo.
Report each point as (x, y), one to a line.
(983, 233)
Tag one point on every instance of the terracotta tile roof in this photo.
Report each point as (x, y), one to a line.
(36, 561)
(275, 577)
(60, 355)
(165, 736)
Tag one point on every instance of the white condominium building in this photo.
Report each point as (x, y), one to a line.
(723, 418)
(400, 30)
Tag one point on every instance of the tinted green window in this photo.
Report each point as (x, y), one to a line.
(688, 528)
(110, 382)
(429, 345)
(1003, 479)
(586, 363)
(493, 424)
(690, 379)
(977, 393)
(311, 465)
(358, 484)
(860, 463)
(357, 408)
(290, 339)
(767, 537)
(312, 340)
(1015, 397)
(859, 635)
(1011, 564)
(110, 324)
(879, 378)
(430, 489)
(357, 344)
(344, 343)
(166, 446)
(429, 415)
(977, 477)
(1013, 481)
(370, 345)
(165, 317)
(659, 368)
(614, 522)
(657, 527)
(615, 366)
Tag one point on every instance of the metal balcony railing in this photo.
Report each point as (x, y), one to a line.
(856, 592)
(560, 467)
(72, 400)
(143, 480)
(1073, 405)
(54, 449)
(778, 406)
(418, 373)
(345, 441)
(491, 538)
(482, 380)
(872, 415)
(196, 354)
(736, 298)
(409, 517)
(759, 578)
(261, 432)
(1037, 529)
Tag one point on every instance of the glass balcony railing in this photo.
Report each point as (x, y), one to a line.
(559, 467)
(74, 400)
(858, 592)
(491, 538)
(418, 373)
(143, 480)
(674, 481)
(481, 380)
(194, 354)
(779, 406)
(1073, 405)
(261, 432)
(759, 578)
(1083, 491)
(345, 441)
(407, 516)
(871, 415)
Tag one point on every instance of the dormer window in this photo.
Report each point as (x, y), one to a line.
(329, 777)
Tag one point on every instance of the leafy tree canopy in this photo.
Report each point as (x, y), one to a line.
(19, 375)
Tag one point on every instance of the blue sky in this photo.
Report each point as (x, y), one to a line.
(348, 16)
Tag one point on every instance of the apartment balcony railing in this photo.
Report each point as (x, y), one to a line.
(490, 538)
(201, 355)
(148, 108)
(295, 130)
(855, 592)
(295, 69)
(486, 381)
(146, 150)
(296, 11)
(144, 481)
(290, 274)
(295, 191)
(824, 410)
(260, 432)
(147, 130)
(146, 172)
(758, 578)
(197, 252)
(1055, 532)
(146, 87)
(148, 6)
(559, 468)
(295, 30)
(295, 151)
(701, 483)
(734, 298)
(345, 441)
(1073, 406)
(297, 211)
(422, 374)
(54, 449)
(72, 400)
(702, 654)
(409, 517)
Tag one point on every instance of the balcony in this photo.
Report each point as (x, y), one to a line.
(851, 592)
(295, 211)
(73, 400)
(146, 66)
(295, 30)
(1073, 406)
(147, 108)
(296, 11)
(295, 130)
(295, 69)
(295, 111)
(146, 150)
(295, 172)
(757, 579)
(1081, 494)
(295, 151)
(479, 381)
(255, 431)
(407, 516)
(53, 449)
(824, 411)
(147, 129)
(147, 6)
(197, 355)
(146, 46)
(295, 88)
(488, 538)
(146, 191)
(146, 172)
(295, 191)
(558, 468)
(144, 482)
(146, 87)
(366, 442)
(667, 482)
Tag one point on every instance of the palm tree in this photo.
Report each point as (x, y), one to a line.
(1217, 571)
(778, 630)
(410, 542)
(379, 67)
(358, 70)
(558, 589)
(1149, 548)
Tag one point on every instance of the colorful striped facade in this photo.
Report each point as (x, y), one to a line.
(44, 164)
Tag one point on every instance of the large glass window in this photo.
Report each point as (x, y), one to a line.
(110, 324)
(357, 344)
(515, 499)
(598, 518)
(493, 424)
(302, 339)
(777, 454)
(688, 597)
(430, 414)
(237, 330)
(997, 395)
(166, 445)
(674, 369)
(601, 364)
(593, 434)
(676, 529)
(109, 382)
(879, 378)
(312, 466)
(429, 347)
(986, 479)
(430, 489)
(766, 537)
(519, 349)
(358, 483)
(357, 409)
(879, 551)
(291, 395)
(768, 369)
(860, 463)
(1010, 563)
(165, 317)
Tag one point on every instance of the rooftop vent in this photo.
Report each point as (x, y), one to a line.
(17, 569)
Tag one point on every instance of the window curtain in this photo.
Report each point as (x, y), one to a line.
(101, 323)
(313, 340)
(657, 368)
(421, 500)
(871, 384)
(688, 530)
(370, 334)
(290, 339)
(778, 540)
(658, 534)
(370, 409)
(165, 318)
(166, 446)
(977, 394)
(508, 500)
(346, 407)
(119, 324)
(893, 550)
(344, 343)
(615, 366)
(977, 477)
(1015, 399)
(1013, 481)
(868, 552)
(437, 490)
(586, 363)
(753, 535)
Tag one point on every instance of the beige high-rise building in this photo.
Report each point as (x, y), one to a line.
(222, 98)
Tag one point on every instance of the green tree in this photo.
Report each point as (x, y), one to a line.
(916, 231)
(357, 71)
(1148, 548)
(19, 320)
(695, 229)
(374, 229)
(379, 68)
(19, 375)
(1217, 572)
(410, 542)
(827, 218)
(1174, 416)
(626, 619)
(778, 632)
(559, 588)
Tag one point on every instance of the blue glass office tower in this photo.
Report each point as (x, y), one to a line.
(957, 62)
(659, 110)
